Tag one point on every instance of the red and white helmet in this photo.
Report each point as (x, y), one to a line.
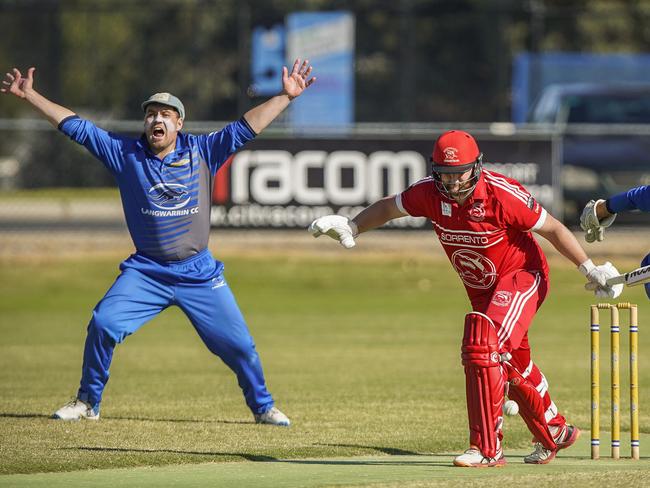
(456, 151)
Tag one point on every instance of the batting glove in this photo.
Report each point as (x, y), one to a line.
(594, 229)
(605, 291)
(598, 276)
(337, 227)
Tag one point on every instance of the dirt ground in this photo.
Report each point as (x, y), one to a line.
(620, 244)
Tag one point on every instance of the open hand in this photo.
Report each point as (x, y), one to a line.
(15, 84)
(294, 83)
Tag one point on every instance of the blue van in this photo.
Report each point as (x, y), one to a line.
(606, 137)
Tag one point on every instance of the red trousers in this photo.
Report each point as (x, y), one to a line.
(512, 306)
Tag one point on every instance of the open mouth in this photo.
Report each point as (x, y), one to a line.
(157, 133)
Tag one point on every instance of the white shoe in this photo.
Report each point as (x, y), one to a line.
(473, 458)
(564, 437)
(76, 410)
(272, 417)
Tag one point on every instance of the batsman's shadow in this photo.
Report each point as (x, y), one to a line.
(394, 460)
(393, 451)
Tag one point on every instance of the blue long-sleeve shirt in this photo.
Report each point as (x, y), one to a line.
(634, 198)
(166, 202)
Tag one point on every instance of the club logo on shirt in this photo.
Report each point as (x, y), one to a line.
(181, 162)
(502, 298)
(477, 212)
(474, 269)
(533, 205)
(446, 208)
(531, 202)
(169, 196)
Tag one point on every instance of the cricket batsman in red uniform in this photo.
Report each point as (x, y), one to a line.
(484, 221)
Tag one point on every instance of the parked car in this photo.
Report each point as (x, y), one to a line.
(593, 103)
(606, 142)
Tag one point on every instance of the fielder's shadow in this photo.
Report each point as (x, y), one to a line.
(198, 421)
(248, 457)
(12, 415)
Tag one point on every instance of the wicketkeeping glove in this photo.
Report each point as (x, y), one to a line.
(598, 276)
(337, 227)
(594, 229)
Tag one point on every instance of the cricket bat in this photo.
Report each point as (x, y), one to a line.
(633, 278)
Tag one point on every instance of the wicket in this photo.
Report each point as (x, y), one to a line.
(615, 379)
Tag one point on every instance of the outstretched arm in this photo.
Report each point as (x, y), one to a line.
(377, 214)
(600, 214)
(564, 241)
(22, 87)
(293, 84)
(345, 230)
(634, 198)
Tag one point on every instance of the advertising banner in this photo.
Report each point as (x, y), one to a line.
(267, 59)
(287, 183)
(326, 39)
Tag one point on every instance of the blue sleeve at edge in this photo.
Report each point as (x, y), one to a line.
(635, 198)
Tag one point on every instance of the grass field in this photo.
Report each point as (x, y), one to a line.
(362, 352)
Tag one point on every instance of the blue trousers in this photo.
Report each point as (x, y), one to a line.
(143, 290)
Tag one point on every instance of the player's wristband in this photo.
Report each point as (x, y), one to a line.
(586, 267)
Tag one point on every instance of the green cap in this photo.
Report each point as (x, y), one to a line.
(165, 99)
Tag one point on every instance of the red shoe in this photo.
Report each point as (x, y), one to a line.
(567, 438)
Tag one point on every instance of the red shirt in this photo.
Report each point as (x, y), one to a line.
(488, 235)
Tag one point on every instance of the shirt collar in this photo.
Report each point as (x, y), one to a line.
(480, 191)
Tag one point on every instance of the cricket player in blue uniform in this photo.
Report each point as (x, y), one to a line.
(165, 181)
(600, 214)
